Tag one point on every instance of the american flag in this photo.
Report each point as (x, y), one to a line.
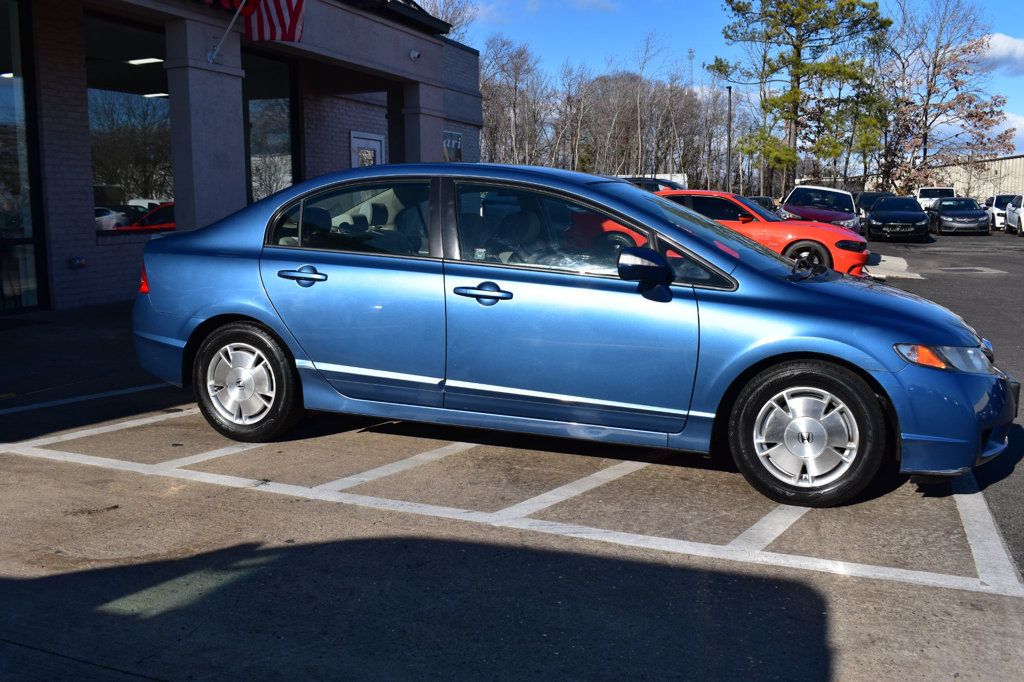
(268, 19)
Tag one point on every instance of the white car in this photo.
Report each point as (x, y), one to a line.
(108, 219)
(995, 206)
(927, 196)
(1015, 215)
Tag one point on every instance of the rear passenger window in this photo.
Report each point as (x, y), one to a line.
(389, 218)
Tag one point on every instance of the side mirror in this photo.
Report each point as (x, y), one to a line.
(644, 265)
(746, 218)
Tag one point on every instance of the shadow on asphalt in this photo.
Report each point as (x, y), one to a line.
(400, 608)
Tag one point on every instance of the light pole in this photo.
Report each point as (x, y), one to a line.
(728, 144)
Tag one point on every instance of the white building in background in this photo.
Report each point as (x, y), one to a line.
(980, 179)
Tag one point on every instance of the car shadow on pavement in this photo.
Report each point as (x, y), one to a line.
(408, 607)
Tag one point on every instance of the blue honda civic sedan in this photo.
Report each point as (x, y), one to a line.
(558, 303)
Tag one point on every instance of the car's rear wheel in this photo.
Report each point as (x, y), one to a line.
(245, 383)
(808, 433)
(812, 252)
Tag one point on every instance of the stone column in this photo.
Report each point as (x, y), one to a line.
(207, 133)
(424, 122)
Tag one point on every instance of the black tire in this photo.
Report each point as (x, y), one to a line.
(285, 406)
(860, 402)
(813, 251)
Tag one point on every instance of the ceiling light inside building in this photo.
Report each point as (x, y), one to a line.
(155, 94)
(144, 60)
(7, 75)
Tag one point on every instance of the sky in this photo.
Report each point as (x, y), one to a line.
(592, 32)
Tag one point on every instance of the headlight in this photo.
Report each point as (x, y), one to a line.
(850, 224)
(921, 222)
(958, 358)
(850, 245)
(786, 215)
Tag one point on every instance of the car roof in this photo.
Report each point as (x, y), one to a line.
(696, 192)
(826, 189)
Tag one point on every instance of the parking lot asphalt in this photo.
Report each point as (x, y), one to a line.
(136, 541)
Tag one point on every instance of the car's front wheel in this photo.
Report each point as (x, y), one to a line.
(812, 252)
(245, 383)
(808, 433)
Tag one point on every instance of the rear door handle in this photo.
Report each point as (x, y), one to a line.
(306, 276)
(486, 293)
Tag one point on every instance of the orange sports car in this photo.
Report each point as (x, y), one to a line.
(820, 243)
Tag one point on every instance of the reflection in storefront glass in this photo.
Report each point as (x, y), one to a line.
(267, 92)
(17, 253)
(129, 126)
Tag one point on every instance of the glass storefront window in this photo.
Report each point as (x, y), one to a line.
(129, 126)
(267, 93)
(17, 248)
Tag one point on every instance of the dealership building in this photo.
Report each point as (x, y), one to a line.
(124, 118)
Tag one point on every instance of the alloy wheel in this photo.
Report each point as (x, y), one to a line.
(806, 437)
(241, 383)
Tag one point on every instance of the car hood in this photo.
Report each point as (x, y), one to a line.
(870, 308)
(970, 213)
(898, 216)
(834, 230)
(822, 214)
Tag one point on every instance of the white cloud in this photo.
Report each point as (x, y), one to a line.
(1016, 121)
(492, 12)
(1006, 53)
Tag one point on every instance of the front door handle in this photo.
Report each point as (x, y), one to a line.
(486, 293)
(306, 276)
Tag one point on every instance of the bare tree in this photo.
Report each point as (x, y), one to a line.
(458, 13)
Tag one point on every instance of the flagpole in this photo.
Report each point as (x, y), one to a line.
(213, 53)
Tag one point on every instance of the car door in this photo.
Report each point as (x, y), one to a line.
(728, 213)
(540, 325)
(1013, 210)
(352, 274)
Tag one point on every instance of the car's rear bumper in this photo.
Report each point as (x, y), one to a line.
(950, 422)
(155, 337)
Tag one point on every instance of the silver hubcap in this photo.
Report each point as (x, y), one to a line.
(241, 383)
(806, 437)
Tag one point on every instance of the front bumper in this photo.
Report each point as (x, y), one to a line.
(950, 422)
(973, 226)
(887, 230)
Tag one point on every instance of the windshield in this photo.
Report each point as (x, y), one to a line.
(1003, 199)
(936, 192)
(958, 205)
(896, 204)
(814, 197)
(759, 210)
(714, 234)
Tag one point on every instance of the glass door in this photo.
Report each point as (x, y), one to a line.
(19, 236)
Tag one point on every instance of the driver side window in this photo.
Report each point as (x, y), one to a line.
(512, 226)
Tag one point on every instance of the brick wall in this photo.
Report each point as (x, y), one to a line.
(462, 102)
(112, 263)
(329, 117)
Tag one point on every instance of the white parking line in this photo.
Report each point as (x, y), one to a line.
(396, 467)
(993, 562)
(771, 526)
(1003, 585)
(109, 428)
(569, 490)
(81, 398)
(206, 456)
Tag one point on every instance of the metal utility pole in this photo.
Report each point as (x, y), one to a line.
(728, 144)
